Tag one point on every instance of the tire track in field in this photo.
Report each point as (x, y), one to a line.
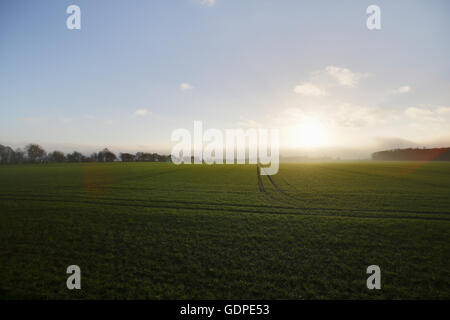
(158, 188)
(183, 202)
(289, 199)
(260, 184)
(279, 190)
(233, 210)
(56, 197)
(295, 200)
(266, 195)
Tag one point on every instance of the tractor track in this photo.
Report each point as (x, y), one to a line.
(230, 209)
(96, 198)
(290, 198)
(57, 197)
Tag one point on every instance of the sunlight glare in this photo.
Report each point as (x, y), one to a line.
(310, 134)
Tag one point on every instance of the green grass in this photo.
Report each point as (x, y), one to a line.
(160, 231)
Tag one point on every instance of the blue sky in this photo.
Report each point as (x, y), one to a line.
(118, 82)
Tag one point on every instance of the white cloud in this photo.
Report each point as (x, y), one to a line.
(186, 86)
(418, 113)
(141, 113)
(207, 3)
(309, 89)
(438, 114)
(344, 76)
(403, 89)
(335, 114)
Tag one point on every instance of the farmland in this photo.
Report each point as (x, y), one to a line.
(160, 231)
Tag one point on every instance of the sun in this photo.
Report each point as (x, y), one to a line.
(310, 134)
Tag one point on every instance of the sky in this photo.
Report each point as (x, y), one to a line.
(137, 70)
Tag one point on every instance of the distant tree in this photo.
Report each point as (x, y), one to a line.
(7, 155)
(139, 156)
(152, 157)
(19, 156)
(106, 156)
(127, 157)
(35, 152)
(56, 156)
(93, 157)
(144, 156)
(434, 154)
(2, 153)
(109, 156)
(163, 158)
(75, 157)
(167, 158)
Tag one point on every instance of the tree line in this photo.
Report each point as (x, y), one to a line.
(34, 153)
(434, 154)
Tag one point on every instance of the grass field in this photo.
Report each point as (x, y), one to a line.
(160, 231)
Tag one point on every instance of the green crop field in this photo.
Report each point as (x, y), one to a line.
(160, 231)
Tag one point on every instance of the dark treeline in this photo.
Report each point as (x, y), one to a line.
(435, 154)
(34, 153)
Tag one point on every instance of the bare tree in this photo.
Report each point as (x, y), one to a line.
(35, 152)
(56, 156)
(75, 157)
(6, 155)
(106, 156)
(127, 157)
(19, 156)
